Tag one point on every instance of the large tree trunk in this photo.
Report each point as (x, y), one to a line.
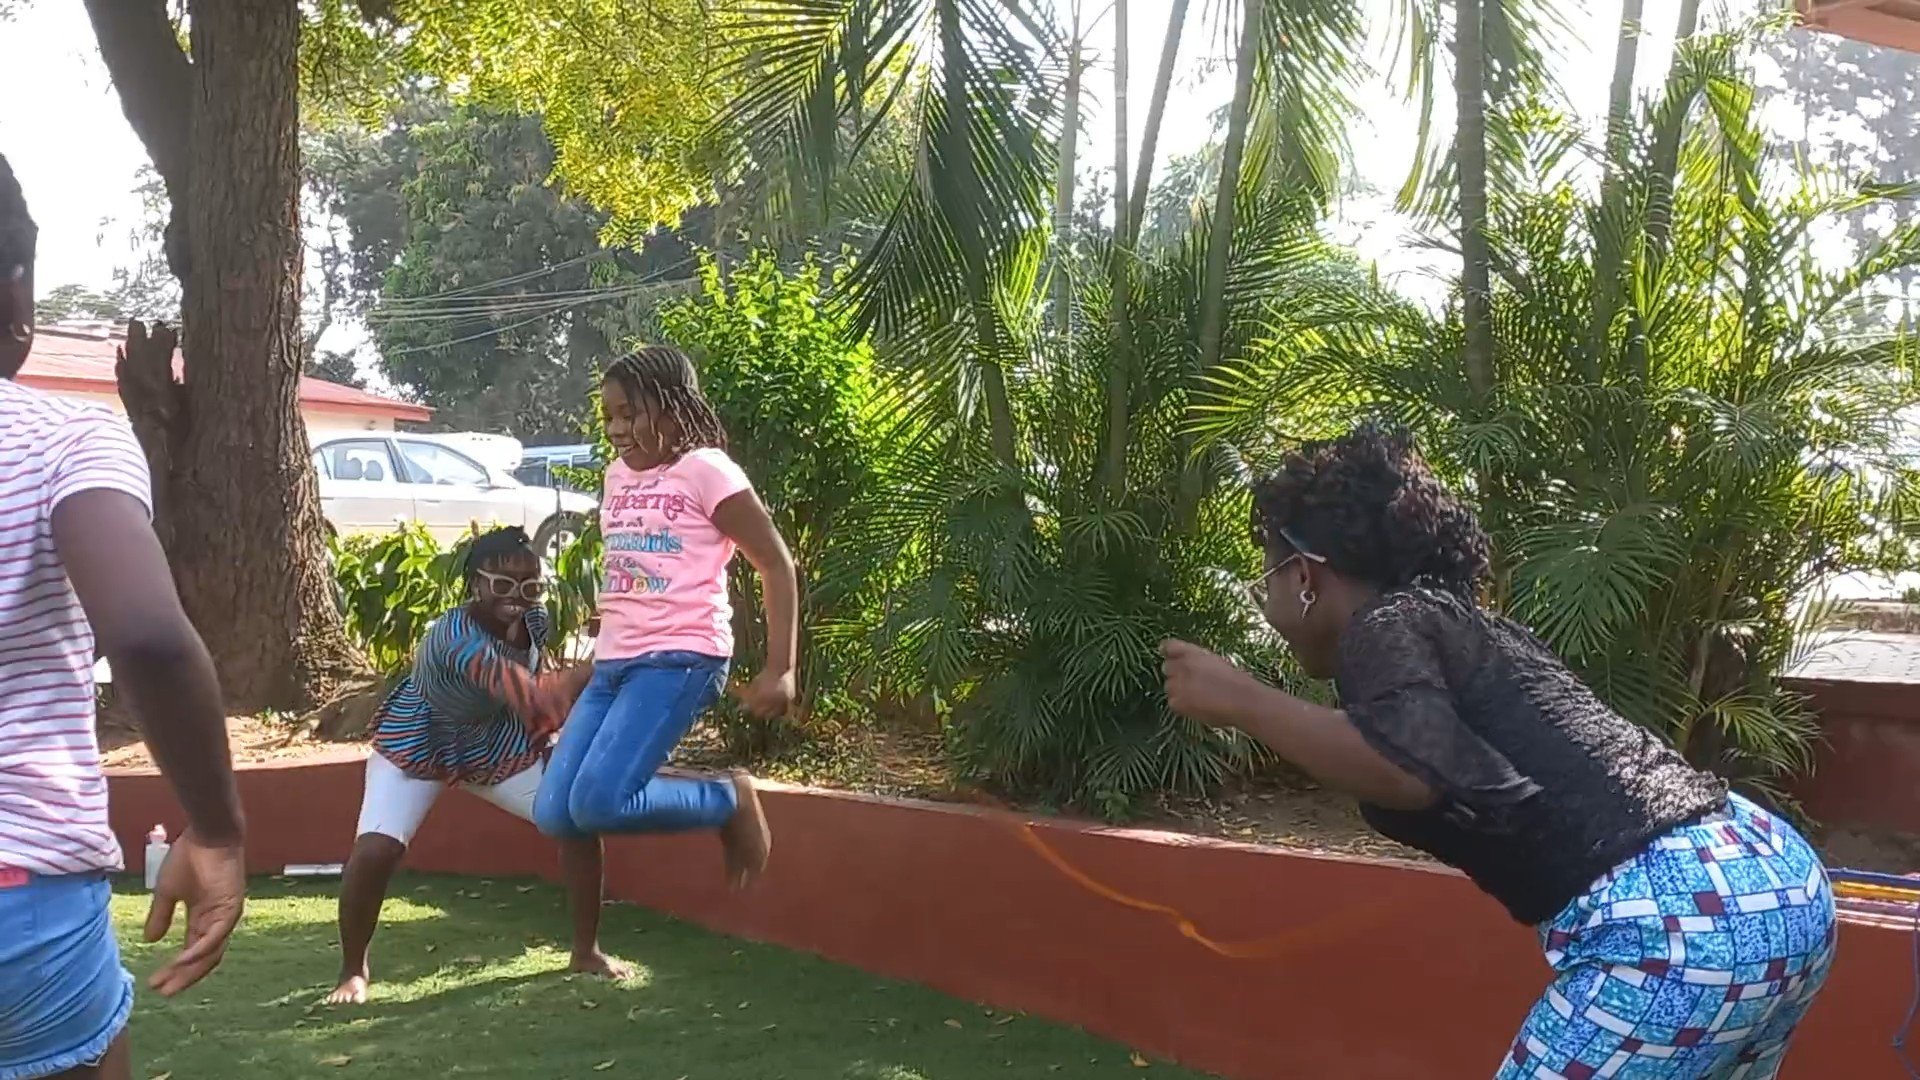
(1476, 288)
(240, 505)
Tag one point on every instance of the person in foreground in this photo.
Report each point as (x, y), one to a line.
(1689, 928)
(674, 511)
(80, 565)
(476, 712)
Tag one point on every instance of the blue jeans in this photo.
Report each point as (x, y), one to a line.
(603, 778)
(64, 997)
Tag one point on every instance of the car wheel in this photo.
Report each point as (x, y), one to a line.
(555, 534)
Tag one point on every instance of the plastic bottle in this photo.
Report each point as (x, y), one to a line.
(157, 848)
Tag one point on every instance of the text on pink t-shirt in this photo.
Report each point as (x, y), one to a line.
(664, 583)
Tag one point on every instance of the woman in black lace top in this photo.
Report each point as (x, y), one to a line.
(1689, 928)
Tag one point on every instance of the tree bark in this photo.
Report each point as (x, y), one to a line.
(1063, 190)
(1156, 115)
(1213, 282)
(1213, 287)
(249, 546)
(1120, 354)
(1663, 166)
(239, 508)
(1607, 249)
(964, 205)
(1471, 152)
(1666, 151)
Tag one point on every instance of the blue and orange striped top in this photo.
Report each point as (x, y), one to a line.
(453, 718)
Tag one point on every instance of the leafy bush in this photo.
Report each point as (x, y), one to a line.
(391, 588)
(1031, 601)
(793, 383)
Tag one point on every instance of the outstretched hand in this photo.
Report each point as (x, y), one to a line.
(553, 696)
(769, 695)
(212, 882)
(1205, 686)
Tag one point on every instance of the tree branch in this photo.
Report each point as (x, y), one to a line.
(155, 83)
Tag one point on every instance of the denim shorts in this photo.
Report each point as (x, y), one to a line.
(64, 997)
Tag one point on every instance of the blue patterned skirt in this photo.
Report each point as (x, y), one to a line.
(1693, 960)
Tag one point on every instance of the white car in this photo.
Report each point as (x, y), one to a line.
(448, 483)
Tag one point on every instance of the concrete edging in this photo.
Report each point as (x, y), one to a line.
(1365, 970)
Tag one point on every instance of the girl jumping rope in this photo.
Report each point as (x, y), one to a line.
(674, 511)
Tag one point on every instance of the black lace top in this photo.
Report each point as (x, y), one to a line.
(1543, 787)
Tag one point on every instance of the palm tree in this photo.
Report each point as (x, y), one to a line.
(1470, 94)
(1731, 455)
(979, 82)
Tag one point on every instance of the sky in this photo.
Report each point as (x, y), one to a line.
(62, 129)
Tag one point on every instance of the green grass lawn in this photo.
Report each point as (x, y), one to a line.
(470, 980)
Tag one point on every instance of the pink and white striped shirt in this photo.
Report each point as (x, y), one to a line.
(53, 798)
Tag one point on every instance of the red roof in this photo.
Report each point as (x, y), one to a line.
(82, 360)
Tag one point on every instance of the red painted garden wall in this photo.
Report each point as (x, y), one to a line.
(1867, 770)
(1363, 970)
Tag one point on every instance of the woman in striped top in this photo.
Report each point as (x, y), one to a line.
(476, 713)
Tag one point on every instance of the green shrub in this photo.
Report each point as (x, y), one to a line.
(391, 588)
(793, 383)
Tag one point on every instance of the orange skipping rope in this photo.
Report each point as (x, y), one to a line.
(1350, 920)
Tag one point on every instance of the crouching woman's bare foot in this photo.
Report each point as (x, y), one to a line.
(745, 837)
(351, 991)
(601, 965)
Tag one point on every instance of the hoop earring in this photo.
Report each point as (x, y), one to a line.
(1308, 598)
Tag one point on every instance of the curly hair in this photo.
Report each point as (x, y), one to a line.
(17, 231)
(1368, 504)
(665, 376)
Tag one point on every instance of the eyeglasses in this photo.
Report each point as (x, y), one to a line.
(1257, 590)
(501, 586)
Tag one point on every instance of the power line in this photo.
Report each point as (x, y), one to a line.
(649, 283)
(510, 279)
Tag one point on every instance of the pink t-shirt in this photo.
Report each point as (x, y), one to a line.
(53, 799)
(665, 588)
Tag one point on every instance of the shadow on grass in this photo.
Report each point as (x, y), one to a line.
(470, 980)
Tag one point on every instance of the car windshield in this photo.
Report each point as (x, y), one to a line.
(429, 463)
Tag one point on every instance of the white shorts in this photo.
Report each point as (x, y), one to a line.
(395, 804)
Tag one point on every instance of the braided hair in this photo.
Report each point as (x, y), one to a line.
(498, 548)
(664, 378)
(1368, 504)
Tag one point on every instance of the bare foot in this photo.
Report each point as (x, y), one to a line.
(745, 836)
(351, 991)
(602, 965)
